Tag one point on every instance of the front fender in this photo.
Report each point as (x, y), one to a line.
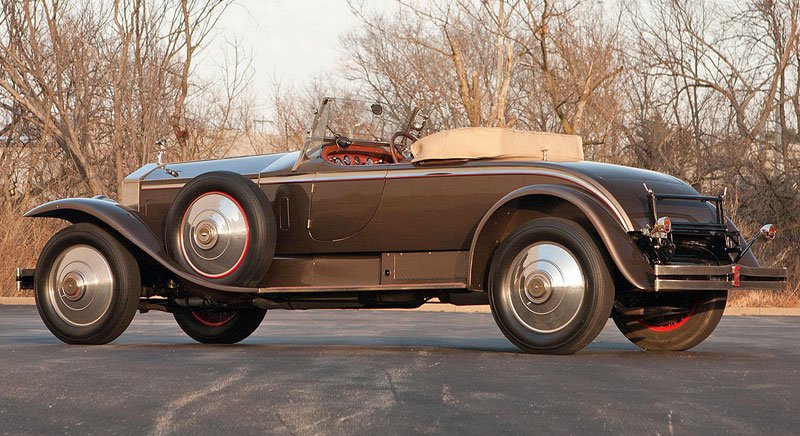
(627, 256)
(125, 222)
(129, 226)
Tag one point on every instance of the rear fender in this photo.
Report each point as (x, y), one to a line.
(497, 224)
(127, 225)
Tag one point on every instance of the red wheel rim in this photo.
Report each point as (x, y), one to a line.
(674, 325)
(214, 319)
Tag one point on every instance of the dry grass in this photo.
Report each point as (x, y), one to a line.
(790, 298)
(21, 240)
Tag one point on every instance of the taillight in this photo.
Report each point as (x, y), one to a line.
(769, 231)
(663, 225)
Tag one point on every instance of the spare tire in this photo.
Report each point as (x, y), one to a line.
(221, 228)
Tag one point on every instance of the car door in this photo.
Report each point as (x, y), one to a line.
(344, 199)
(436, 207)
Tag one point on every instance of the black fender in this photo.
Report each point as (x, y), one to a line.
(127, 225)
(626, 255)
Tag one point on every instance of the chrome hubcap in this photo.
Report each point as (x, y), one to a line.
(214, 235)
(81, 285)
(545, 286)
(538, 287)
(73, 287)
(205, 235)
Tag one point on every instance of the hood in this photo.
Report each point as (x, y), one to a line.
(248, 165)
(626, 184)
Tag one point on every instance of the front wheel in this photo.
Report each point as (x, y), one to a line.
(674, 321)
(87, 285)
(220, 326)
(549, 288)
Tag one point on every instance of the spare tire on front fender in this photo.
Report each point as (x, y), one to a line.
(221, 227)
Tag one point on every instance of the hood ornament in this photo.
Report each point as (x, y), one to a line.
(161, 146)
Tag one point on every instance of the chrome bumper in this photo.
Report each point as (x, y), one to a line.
(24, 278)
(723, 277)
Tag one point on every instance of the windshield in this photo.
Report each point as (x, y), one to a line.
(355, 119)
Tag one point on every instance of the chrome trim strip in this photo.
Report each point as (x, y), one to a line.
(165, 186)
(662, 285)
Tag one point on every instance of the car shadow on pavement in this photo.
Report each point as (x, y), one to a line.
(356, 345)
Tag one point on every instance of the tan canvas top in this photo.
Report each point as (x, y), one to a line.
(489, 142)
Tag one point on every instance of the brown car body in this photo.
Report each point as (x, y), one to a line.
(429, 226)
(397, 234)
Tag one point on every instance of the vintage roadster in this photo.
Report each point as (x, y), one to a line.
(369, 216)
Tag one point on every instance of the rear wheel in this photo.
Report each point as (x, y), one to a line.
(674, 321)
(220, 326)
(549, 288)
(87, 285)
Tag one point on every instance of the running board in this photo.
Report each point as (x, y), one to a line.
(377, 288)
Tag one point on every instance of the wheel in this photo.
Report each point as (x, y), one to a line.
(673, 321)
(87, 285)
(220, 327)
(221, 227)
(549, 287)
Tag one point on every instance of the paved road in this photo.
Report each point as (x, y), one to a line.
(388, 372)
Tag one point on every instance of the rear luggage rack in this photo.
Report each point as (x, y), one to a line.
(718, 200)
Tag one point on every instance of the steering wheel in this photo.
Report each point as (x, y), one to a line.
(398, 149)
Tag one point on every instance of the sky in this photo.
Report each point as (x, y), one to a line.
(291, 41)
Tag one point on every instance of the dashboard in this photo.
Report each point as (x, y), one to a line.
(356, 155)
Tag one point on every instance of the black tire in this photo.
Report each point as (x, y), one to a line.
(221, 327)
(676, 331)
(94, 314)
(254, 259)
(580, 307)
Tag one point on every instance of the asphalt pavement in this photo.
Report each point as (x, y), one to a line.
(393, 372)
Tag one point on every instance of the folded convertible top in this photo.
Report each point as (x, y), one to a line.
(490, 142)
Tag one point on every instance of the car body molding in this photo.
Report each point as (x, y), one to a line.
(128, 224)
(628, 258)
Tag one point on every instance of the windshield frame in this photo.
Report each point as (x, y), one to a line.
(319, 133)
